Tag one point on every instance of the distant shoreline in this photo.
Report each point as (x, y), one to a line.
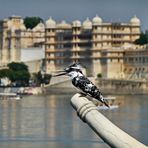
(104, 91)
(107, 86)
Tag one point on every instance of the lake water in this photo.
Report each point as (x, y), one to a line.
(49, 121)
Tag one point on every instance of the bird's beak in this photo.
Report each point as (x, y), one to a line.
(61, 72)
(106, 104)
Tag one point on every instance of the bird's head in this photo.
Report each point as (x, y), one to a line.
(71, 70)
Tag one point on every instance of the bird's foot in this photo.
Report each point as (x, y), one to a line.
(82, 94)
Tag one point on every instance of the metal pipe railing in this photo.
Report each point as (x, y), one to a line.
(110, 133)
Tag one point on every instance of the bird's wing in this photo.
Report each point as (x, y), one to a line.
(85, 85)
(89, 88)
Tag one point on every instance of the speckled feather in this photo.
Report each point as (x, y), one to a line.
(86, 86)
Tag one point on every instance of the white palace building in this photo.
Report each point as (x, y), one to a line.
(98, 45)
(103, 48)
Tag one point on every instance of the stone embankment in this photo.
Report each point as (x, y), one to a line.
(107, 86)
(114, 86)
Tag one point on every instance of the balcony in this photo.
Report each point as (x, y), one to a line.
(76, 32)
(50, 42)
(55, 50)
(50, 34)
(55, 58)
(77, 57)
(95, 57)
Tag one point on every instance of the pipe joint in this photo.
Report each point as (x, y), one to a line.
(84, 109)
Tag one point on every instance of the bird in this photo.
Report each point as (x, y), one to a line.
(82, 83)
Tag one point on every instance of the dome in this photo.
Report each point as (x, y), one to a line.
(87, 24)
(50, 23)
(76, 23)
(39, 27)
(135, 21)
(63, 24)
(22, 27)
(22, 21)
(97, 20)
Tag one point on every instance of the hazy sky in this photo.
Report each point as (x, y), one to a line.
(109, 10)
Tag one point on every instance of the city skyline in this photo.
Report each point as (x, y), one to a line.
(109, 11)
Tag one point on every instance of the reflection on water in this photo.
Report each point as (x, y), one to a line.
(50, 121)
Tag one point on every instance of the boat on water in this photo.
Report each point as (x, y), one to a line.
(29, 91)
(10, 96)
(112, 102)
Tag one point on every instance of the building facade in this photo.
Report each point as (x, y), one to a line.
(94, 43)
(14, 36)
(103, 48)
(136, 64)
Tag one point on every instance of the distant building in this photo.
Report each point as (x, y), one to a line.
(96, 44)
(136, 64)
(105, 48)
(14, 36)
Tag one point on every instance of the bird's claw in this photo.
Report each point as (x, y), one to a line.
(82, 94)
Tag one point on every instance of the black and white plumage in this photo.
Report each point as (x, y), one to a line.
(82, 83)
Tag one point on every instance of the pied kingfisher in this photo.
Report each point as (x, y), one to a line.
(82, 83)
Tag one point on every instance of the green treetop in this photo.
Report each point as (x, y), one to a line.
(31, 22)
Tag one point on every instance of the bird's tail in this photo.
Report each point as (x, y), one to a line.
(104, 101)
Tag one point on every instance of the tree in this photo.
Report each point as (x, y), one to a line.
(6, 73)
(99, 75)
(20, 73)
(15, 66)
(143, 39)
(31, 22)
(40, 78)
(21, 77)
